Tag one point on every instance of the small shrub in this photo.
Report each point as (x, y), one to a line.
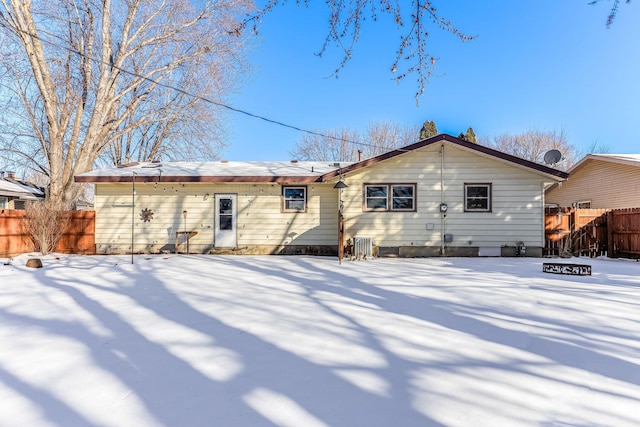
(45, 224)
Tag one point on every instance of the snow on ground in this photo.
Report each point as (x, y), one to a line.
(205, 340)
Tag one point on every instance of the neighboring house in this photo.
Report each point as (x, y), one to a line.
(14, 193)
(599, 181)
(439, 196)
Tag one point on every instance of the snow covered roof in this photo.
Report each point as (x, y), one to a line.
(286, 172)
(627, 159)
(223, 171)
(21, 191)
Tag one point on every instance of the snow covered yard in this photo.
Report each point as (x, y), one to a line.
(302, 341)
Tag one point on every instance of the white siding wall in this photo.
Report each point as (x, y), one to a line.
(607, 185)
(260, 220)
(517, 205)
(517, 208)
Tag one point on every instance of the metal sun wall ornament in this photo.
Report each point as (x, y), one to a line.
(146, 215)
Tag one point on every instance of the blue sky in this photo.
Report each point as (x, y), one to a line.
(544, 64)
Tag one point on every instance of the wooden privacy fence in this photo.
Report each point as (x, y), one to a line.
(570, 231)
(77, 237)
(592, 232)
(578, 232)
(624, 233)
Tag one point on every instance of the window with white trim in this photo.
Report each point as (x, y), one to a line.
(583, 204)
(4, 202)
(477, 197)
(294, 199)
(390, 197)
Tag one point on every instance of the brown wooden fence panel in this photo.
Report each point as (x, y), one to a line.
(78, 236)
(576, 231)
(13, 239)
(624, 233)
(590, 232)
(557, 222)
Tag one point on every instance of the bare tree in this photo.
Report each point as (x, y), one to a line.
(596, 147)
(330, 146)
(533, 144)
(348, 146)
(381, 137)
(413, 20)
(80, 77)
(184, 128)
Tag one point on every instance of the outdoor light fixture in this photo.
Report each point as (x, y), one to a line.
(340, 185)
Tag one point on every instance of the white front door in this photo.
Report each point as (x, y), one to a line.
(225, 221)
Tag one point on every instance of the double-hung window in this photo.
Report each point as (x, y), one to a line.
(294, 199)
(390, 197)
(477, 197)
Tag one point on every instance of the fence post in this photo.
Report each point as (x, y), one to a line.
(572, 229)
(610, 225)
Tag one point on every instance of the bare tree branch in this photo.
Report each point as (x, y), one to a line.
(413, 20)
(613, 13)
(100, 73)
(346, 145)
(533, 144)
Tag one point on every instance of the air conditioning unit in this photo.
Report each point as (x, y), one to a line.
(362, 247)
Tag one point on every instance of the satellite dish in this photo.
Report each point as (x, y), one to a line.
(552, 157)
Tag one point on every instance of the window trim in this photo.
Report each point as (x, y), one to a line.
(4, 202)
(489, 186)
(582, 202)
(365, 198)
(389, 200)
(283, 204)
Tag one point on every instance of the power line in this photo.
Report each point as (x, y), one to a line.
(204, 99)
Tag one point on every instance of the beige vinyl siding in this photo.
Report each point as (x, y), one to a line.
(517, 202)
(607, 185)
(259, 217)
(516, 208)
(261, 221)
(113, 220)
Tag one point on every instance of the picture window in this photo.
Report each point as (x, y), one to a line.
(390, 197)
